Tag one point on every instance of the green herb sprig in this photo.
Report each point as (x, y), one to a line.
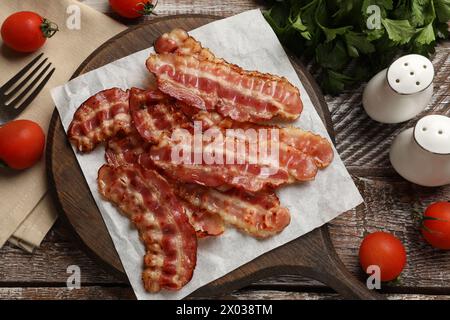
(351, 40)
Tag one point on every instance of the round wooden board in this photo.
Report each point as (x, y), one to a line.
(312, 255)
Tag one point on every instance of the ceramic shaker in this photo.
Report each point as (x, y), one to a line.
(422, 154)
(400, 92)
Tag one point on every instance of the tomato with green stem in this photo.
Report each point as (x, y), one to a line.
(436, 225)
(26, 31)
(133, 8)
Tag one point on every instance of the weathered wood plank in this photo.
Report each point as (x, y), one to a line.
(62, 293)
(389, 206)
(48, 264)
(286, 295)
(125, 293)
(170, 7)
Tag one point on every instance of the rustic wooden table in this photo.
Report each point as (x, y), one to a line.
(363, 145)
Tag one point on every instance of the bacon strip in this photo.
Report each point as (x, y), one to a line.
(241, 95)
(131, 149)
(250, 177)
(134, 150)
(205, 222)
(304, 141)
(153, 114)
(99, 118)
(258, 214)
(170, 241)
(157, 122)
(178, 41)
(310, 143)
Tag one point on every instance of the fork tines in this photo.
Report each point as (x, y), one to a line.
(15, 96)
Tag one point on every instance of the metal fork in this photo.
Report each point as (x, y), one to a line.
(12, 101)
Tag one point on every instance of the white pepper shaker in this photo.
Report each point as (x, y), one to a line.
(400, 92)
(422, 154)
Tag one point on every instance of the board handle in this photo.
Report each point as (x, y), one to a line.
(313, 256)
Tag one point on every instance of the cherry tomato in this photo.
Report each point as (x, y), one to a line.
(26, 31)
(132, 8)
(384, 250)
(21, 143)
(436, 225)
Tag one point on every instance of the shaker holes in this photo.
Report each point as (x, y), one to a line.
(418, 83)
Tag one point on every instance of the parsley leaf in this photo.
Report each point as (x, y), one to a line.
(351, 40)
(399, 31)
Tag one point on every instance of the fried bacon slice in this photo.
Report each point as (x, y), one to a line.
(153, 114)
(310, 143)
(205, 223)
(246, 176)
(304, 141)
(157, 122)
(233, 92)
(132, 149)
(99, 118)
(147, 199)
(258, 214)
(178, 41)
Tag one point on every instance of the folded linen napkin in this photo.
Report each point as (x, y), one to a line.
(26, 211)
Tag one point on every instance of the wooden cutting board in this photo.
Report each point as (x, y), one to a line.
(312, 255)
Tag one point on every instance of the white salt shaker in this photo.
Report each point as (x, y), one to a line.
(400, 92)
(422, 154)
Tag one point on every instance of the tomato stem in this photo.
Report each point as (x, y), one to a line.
(147, 8)
(3, 164)
(49, 28)
(395, 282)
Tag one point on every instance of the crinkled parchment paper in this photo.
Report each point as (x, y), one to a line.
(247, 40)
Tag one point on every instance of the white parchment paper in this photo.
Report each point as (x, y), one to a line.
(247, 40)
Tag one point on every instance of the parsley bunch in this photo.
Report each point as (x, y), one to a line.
(351, 40)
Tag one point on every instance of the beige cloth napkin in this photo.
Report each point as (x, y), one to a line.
(26, 211)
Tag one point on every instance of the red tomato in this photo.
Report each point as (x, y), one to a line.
(26, 31)
(21, 143)
(384, 250)
(132, 8)
(436, 225)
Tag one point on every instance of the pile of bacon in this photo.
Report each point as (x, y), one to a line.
(173, 204)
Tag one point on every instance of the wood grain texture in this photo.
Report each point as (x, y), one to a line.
(171, 7)
(283, 295)
(390, 201)
(120, 293)
(364, 143)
